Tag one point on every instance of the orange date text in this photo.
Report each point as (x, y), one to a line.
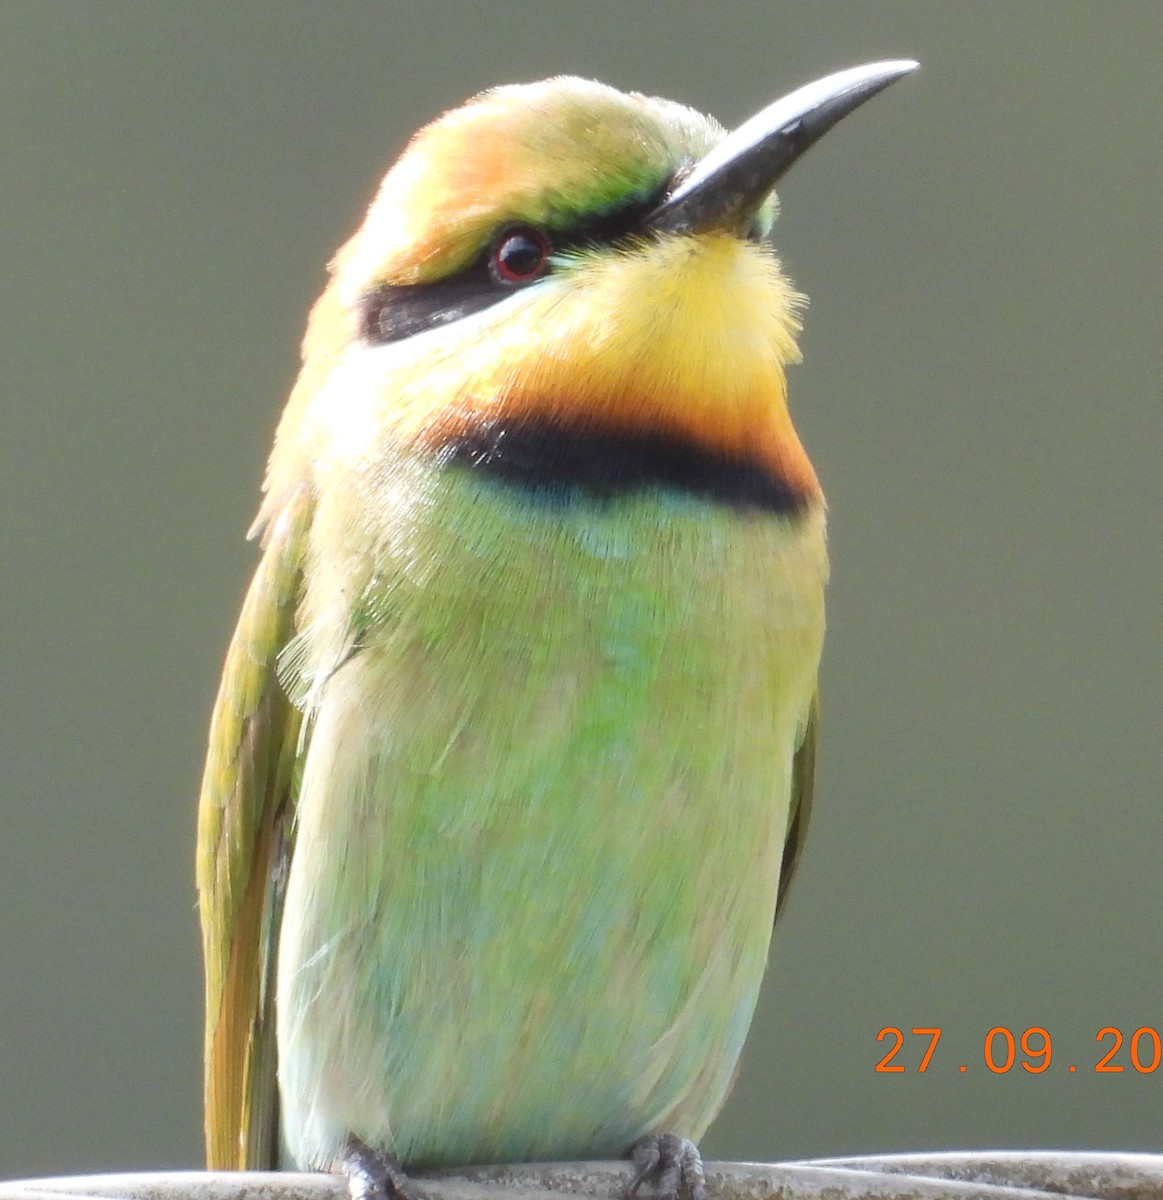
(1030, 1050)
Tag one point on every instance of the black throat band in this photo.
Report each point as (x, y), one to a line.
(561, 464)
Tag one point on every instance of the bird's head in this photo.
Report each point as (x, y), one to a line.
(564, 258)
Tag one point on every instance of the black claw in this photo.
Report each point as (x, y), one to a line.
(671, 1163)
(373, 1175)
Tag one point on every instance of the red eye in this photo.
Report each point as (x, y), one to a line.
(520, 255)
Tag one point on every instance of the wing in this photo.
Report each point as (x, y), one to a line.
(244, 832)
(803, 778)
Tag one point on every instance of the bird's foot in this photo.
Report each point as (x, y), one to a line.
(373, 1175)
(669, 1162)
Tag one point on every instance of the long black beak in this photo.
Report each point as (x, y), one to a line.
(727, 188)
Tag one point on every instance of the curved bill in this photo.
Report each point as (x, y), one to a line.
(728, 186)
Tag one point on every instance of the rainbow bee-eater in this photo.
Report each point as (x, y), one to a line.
(512, 756)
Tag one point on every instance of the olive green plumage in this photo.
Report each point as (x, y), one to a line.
(546, 801)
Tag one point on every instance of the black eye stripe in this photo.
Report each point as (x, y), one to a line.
(393, 312)
(610, 228)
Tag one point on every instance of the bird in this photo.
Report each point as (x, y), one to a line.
(511, 761)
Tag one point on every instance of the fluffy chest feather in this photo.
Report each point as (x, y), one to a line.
(541, 819)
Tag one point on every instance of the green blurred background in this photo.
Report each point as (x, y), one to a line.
(980, 396)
